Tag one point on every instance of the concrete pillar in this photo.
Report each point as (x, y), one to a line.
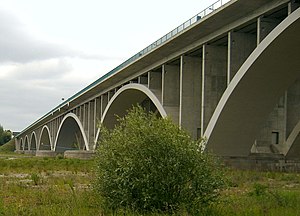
(143, 79)
(170, 90)
(155, 83)
(111, 94)
(17, 144)
(214, 80)
(81, 113)
(97, 114)
(264, 27)
(104, 102)
(293, 5)
(91, 124)
(293, 107)
(190, 95)
(240, 46)
(51, 128)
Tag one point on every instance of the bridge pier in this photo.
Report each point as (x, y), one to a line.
(170, 90)
(190, 94)
(240, 46)
(155, 82)
(214, 80)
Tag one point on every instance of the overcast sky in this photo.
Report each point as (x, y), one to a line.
(50, 50)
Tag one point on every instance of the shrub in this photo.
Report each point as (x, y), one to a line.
(8, 147)
(147, 163)
(36, 178)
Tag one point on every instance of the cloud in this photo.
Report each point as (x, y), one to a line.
(37, 70)
(36, 74)
(18, 46)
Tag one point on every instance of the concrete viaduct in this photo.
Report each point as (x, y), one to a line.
(230, 74)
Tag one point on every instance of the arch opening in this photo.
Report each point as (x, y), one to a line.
(70, 135)
(21, 144)
(124, 99)
(26, 144)
(45, 139)
(33, 142)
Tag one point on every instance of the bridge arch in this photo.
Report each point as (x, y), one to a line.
(123, 100)
(271, 68)
(292, 144)
(26, 143)
(45, 141)
(33, 142)
(70, 135)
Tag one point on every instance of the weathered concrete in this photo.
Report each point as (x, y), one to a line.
(170, 90)
(263, 162)
(46, 153)
(241, 119)
(240, 46)
(190, 94)
(29, 152)
(80, 154)
(214, 79)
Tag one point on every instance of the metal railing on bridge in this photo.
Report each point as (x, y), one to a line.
(157, 43)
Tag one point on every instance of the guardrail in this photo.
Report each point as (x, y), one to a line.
(157, 43)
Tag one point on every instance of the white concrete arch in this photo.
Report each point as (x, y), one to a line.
(76, 119)
(131, 94)
(272, 67)
(45, 128)
(33, 136)
(292, 144)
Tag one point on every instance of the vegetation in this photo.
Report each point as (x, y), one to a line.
(157, 170)
(8, 147)
(46, 186)
(5, 135)
(52, 186)
(148, 164)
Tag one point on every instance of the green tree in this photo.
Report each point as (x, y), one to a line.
(148, 163)
(5, 135)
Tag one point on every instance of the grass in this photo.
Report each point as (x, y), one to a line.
(46, 186)
(8, 147)
(53, 186)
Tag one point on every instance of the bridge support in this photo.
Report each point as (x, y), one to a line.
(190, 94)
(214, 80)
(170, 90)
(80, 154)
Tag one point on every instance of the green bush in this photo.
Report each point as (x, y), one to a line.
(148, 164)
(8, 147)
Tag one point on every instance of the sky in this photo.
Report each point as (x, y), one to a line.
(50, 50)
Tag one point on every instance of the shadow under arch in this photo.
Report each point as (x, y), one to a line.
(26, 143)
(45, 141)
(21, 144)
(33, 142)
(124, 99)
(70, 135)
(272, 67)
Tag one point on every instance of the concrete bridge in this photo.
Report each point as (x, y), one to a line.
(230, 74)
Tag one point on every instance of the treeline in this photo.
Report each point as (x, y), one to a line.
(5, 135)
